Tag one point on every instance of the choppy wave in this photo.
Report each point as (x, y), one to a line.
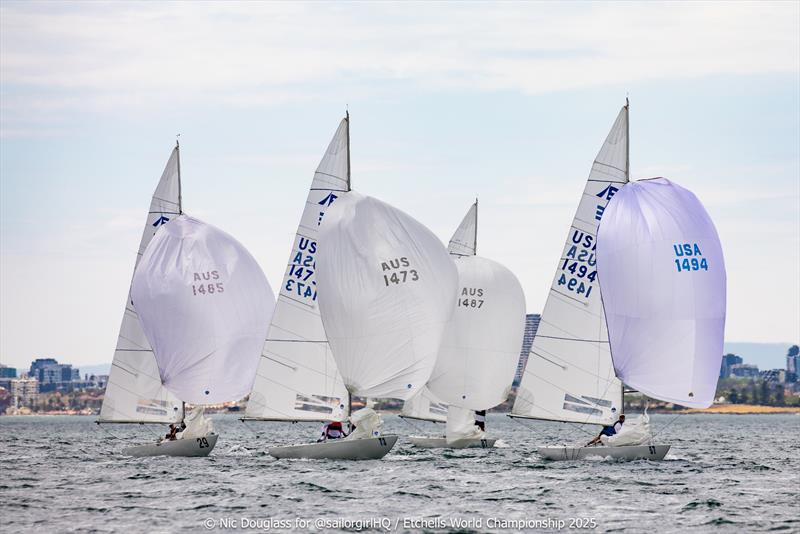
(723, 474)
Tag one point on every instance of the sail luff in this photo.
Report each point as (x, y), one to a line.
(569, 375)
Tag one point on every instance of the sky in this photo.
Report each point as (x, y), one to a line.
(509, 102)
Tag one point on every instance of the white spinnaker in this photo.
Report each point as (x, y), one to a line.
(297, 378)
(461, 425)
(134, 392)
(662, 273)
(425, 406)
(386, 291)
(569, 375)
(205, 306)
(480, 350)
(464, 240)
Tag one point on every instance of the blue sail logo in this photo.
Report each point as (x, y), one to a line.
(161, 220)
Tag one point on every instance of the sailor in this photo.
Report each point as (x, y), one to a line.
(609, 430)
(172, 434)
(480, 419)
(332, 430)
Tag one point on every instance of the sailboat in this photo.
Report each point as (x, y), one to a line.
(480, 351)
(297, 378)
(196, 316)
(386, 291)
(134, 393)
(571, 376)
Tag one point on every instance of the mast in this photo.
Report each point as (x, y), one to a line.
(183, 411)
(475, 251)
(347, 118)
(180, 199)
(627, 140)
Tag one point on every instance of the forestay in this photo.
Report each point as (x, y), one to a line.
(134, 392)
(204, 305)
(297, 378)
(569, 375)
(425, 406)
(663, 279)
(480, 351)
(386, 291)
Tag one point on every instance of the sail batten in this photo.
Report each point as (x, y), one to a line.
(570, 360)
(134, 393)
(297, 378)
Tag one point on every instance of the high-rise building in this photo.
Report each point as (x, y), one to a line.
(744, 370)
(728, 361)
(7, 372)
(531, 326)
(25, 392)
(53, 375)
(793, 363)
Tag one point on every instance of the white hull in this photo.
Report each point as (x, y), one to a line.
(627, 452)
(441, 443)
(179, 447)
(339, 449)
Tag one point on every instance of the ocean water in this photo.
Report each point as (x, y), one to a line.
(725, 473)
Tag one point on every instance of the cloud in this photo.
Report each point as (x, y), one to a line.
(118, 58)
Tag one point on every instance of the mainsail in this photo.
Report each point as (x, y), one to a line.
(204, 304)
(297, 378)
(662, 272)
(465, 239)
(386, 292)
(134, 393)
(569, 375)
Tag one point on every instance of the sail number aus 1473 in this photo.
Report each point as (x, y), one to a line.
(397, 271)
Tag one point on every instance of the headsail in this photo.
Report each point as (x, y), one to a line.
(205, 305)
(134, 392)
(386, 290)
(464, 240)
(569, 375)
(662, 272)
(297, 379)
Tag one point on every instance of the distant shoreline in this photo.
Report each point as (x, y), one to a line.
(744, 409)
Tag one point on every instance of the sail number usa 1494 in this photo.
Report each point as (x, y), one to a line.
(689, 257)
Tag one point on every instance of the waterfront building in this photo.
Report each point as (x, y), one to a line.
(7, 372)
(727, 361)
(744, 370)
(531, 326)
(25, 392)
(53, 375)
(793, 362)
